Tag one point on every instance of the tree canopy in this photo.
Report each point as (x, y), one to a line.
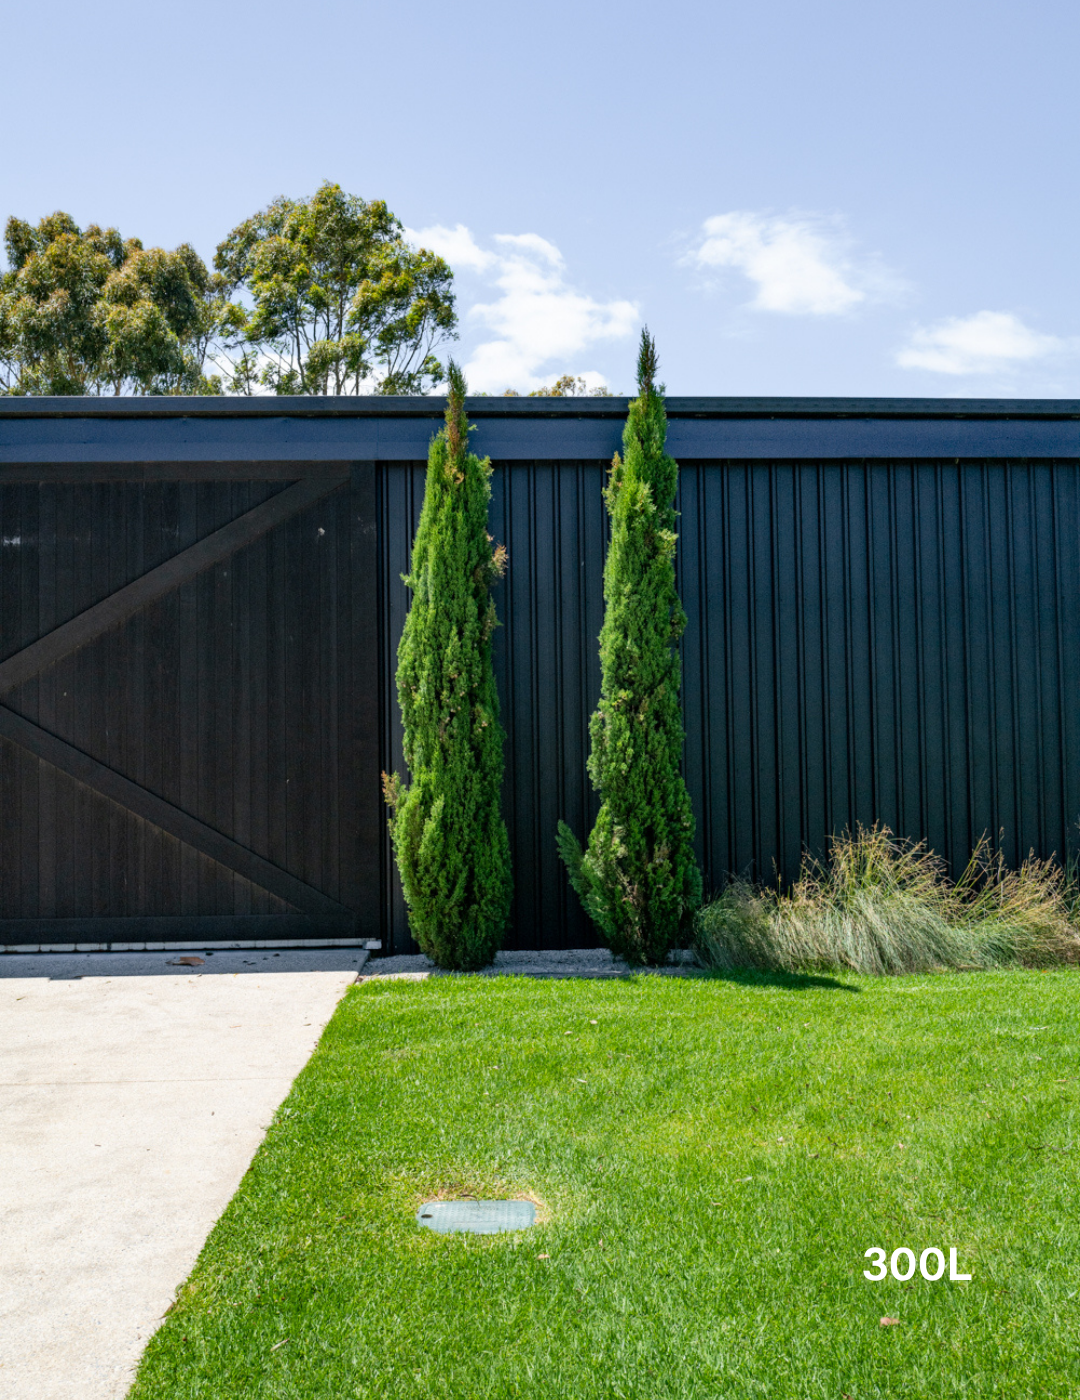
(567, 386)
(85, 311)
(339, 301)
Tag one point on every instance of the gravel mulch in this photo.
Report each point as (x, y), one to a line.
(564, 962)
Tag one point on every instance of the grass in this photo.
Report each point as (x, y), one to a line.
(712, 1156)
(879, 904)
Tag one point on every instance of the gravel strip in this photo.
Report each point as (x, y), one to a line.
(565, 962)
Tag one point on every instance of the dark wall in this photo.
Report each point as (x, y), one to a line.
(885, 641)
(551, 518)
(882, 599)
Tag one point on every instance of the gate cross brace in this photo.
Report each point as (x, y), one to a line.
(109, 613)
(109, 783)
(119, 606)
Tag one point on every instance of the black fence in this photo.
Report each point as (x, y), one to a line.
(883, 603)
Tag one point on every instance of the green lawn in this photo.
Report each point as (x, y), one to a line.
(713, 1158)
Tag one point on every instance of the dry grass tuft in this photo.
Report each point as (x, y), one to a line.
(880, 905)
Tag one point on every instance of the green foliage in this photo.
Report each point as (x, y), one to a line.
(340, 302)
(88, 312)
(448, 834)
(637, 879)
(567, 386)
(879, 905)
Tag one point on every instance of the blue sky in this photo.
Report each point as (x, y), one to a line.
(799, 198)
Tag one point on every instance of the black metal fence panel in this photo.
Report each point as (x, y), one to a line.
(892, 642)
(550, 516)
(887, 641)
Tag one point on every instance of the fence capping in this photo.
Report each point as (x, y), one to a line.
(54, 432)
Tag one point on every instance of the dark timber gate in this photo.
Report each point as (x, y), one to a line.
(187, 653)
(201, 600)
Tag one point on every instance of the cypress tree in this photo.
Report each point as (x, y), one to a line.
(637, 879)
(448, 834)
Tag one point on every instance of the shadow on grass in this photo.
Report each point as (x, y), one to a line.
(790, 981)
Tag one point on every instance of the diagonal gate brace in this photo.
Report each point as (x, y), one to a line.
(117, 608)
(126, 601)
(174, 820)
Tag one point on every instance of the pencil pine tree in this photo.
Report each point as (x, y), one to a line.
(446, 825)
(637, 877)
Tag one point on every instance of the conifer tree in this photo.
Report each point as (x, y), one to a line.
(448, 834)
(637, 878)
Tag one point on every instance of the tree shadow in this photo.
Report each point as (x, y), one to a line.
(789, 981)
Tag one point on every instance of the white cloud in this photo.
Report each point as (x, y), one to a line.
(539, 324)
(799, 263)
(983, 343)
(456, 245)
(532, 243)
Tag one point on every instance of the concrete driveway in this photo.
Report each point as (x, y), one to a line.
(133, 1095)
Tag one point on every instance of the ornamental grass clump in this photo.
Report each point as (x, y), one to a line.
(446, 825)
(878, 905)
(637, 878)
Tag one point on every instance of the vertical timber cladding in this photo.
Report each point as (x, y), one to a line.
(187, 702)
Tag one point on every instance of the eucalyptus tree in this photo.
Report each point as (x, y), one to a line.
(85, 311)
(569, 386)
(339, 302)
